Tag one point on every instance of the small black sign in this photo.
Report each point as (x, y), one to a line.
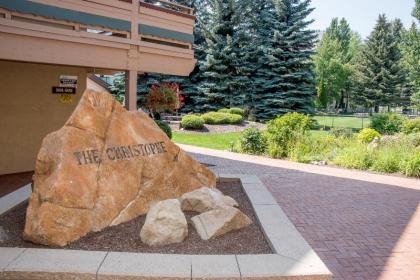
(63, 90)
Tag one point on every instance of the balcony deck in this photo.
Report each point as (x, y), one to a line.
(103, 34)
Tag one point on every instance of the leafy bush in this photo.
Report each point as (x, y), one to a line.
(411, 165)
(192, 122)
(411, 126)
(165, 128)
(367, 135)
(388, 123)
(342, 132)
(285, 131)
(237, 111)
(221, 118)
(252, 141)
(163, 97)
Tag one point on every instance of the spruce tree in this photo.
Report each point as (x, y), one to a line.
(380, 75)
(284, 81)
(224, 69)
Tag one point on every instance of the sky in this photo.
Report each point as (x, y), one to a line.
(361, 14)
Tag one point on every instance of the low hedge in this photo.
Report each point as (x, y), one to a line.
(165, 128)
(192, 122)
(221, 118)
(235, 111)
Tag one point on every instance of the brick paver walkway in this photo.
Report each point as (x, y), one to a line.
(360, 229)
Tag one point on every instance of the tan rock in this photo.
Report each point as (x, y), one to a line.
(165, 224)
(205, 199)
(220, 221)
(105, 166)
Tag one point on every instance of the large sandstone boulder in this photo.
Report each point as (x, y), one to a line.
(165, 224)
(105, 166)
(205, 199)
(219, 221)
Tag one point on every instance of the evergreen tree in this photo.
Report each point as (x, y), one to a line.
(283, 80)
(380, 75)
(224, 69)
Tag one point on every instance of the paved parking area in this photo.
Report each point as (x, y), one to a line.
(361, 229)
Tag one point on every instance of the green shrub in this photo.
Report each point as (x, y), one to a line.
(411, 165)
(224, 110)
(221, 118)
(411, 126)
(284, 132)
(388, 123)
(252, 141)
(355, 155)
(237, 111)
(367, 135)
(192, 122)
(165, 128)
(342, 132)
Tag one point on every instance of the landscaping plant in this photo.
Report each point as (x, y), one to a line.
(165, 128)
(163, 97)
(387, 123)
(285, 131)
(192, 122)
(367, 135)
(252, 141)
(235, 111)
(411, 126)
(221, 118)
(410, 166)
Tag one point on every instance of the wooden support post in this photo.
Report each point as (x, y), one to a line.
(131, 90)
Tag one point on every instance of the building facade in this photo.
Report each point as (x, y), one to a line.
(45, 44)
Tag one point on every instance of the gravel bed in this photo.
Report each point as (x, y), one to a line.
(125, 237)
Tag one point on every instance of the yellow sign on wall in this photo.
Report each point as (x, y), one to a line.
(66, 99)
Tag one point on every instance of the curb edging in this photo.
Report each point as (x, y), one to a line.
(292, 257)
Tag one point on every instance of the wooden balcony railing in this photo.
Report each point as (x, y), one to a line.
(160, 34)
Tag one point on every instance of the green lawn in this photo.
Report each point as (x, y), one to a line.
(345, 122)
(217, 141)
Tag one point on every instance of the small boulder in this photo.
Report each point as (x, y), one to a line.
(165, 224)
(205, 199)
(220, 221)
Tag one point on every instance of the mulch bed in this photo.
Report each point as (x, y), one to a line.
(126, 237)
